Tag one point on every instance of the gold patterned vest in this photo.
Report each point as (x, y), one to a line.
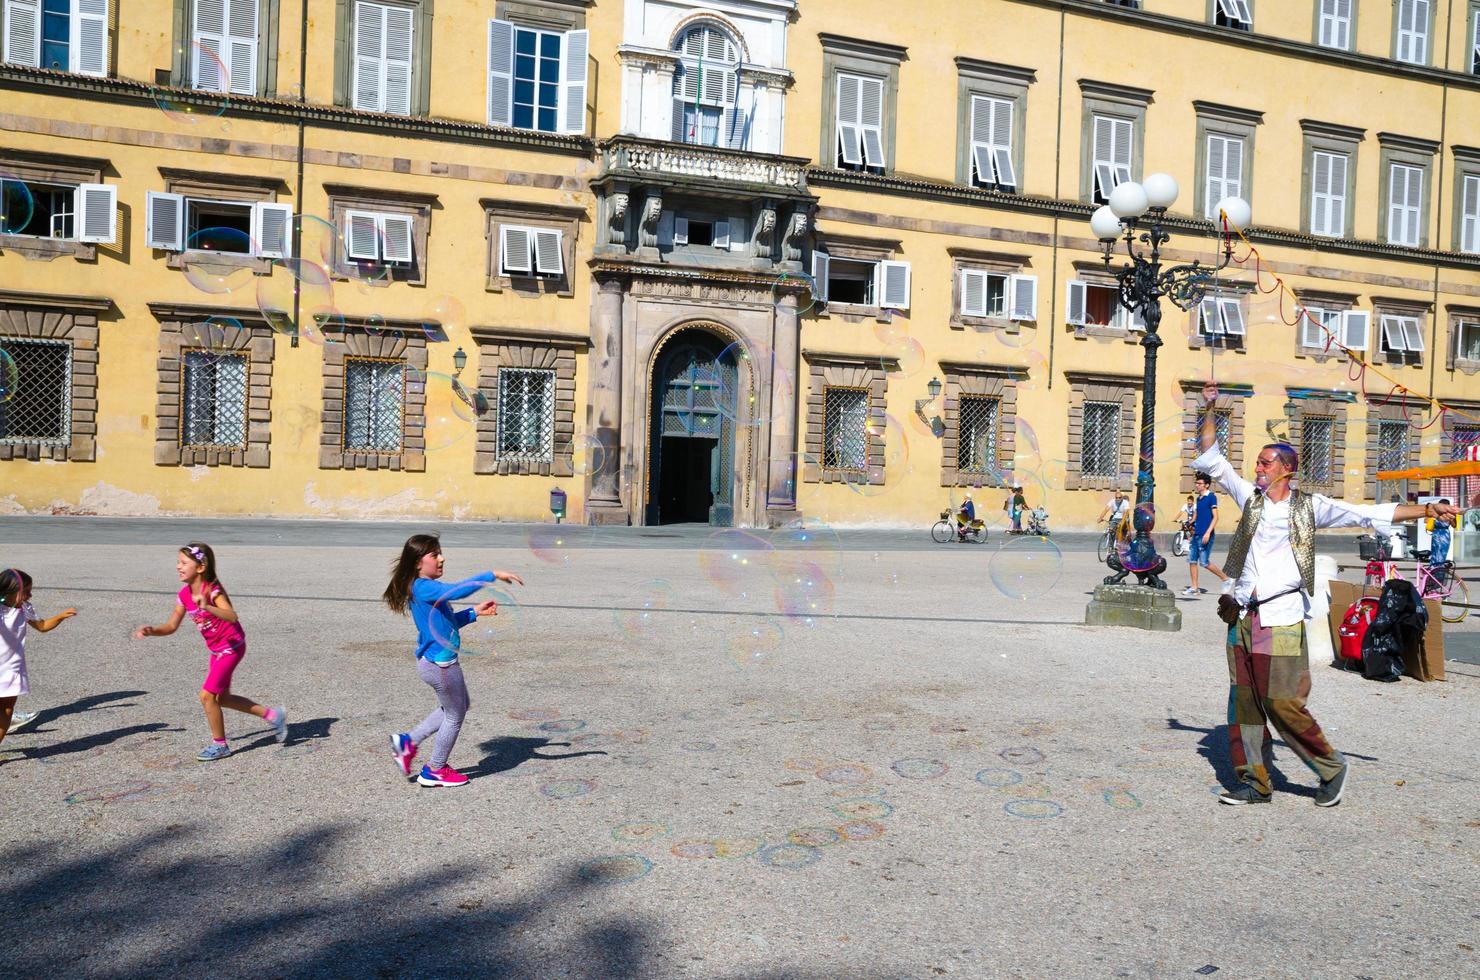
(1302, 537)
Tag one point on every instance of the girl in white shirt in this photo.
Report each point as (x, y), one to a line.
(16, 615)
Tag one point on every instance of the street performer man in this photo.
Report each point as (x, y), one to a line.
(1271, 568)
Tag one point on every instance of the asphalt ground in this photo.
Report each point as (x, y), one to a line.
(702, 757)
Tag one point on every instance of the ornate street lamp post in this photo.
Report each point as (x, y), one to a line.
(1143, 283)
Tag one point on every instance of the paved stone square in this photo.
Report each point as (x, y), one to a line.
(850, 755)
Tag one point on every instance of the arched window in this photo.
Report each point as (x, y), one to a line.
(705, 86)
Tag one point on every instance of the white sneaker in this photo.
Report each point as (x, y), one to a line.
(21, 719)
(1189, 591)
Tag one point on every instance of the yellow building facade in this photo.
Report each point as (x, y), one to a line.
(711, 262)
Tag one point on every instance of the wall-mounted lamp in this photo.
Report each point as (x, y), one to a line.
(936, 425)
(460, 360)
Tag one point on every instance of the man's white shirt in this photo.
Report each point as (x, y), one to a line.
(1270, 567)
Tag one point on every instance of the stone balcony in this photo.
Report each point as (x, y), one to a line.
(632, 159)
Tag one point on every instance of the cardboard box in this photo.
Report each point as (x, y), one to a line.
(1426, 663)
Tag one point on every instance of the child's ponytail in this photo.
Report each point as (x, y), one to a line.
(405, 569)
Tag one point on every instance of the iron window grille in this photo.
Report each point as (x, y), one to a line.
(976, 447)
(845, 429)
(214, 414)
(36, 376)
(1317, 460)
(526, 415)
(374, 398)
(1100, 443)
(1392, 454)
(1223, 427)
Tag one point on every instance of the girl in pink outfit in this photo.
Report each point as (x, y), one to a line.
(206, 602)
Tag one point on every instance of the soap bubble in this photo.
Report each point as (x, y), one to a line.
(554, 544)
(17, 206)
(213, 334)
(587, 454)
(317, 310)
(896, 345)
(203, 65)
(734, 561)
(477, 638)
(1026, 567)
(318, 240)
(448, 311)
(10, 377)
(452, 408)
(802, 590)
(875, 478)
(653, 596)
(210, 274)
(757, 644)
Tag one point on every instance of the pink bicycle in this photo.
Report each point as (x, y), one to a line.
(1433, 582)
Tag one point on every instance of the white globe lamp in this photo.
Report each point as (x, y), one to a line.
(1237, 211)
(1105, 224)
(1128, 200)
(1161, 190)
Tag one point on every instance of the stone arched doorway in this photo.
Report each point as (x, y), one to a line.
(692, 425)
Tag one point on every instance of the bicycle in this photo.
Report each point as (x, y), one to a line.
(945, 529)
(1181, 538)
(1433, 582)
(1115, 533)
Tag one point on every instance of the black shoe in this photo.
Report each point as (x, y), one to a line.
(1244, 794)
(1330, 792)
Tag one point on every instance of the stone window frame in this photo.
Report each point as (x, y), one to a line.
(418, 206)
(1096, 274)
(1459, 314)
(1466, 164)
(562, 218)
(995, 263)
(1351, 29)
(73, 320)
(421, 59)
(1399, 306)
(986, 78)
(544, 15)
(1329, 138)
(1214, 119)
(1300, 402)
(1213, 18)
(1095, 387)
(995, 381)
(529, 350)
(831, 370)
(359, 337)
(234, 188)
(1395, 408)
(254, 336)
(1233, 398)
(875, 59)
(1430, 41)
(1413, 152)
(183, 43)
(1224, 289)
(1118, 101)
(1323, 299)
(1471, 411)
(851, 248)
(51, 168)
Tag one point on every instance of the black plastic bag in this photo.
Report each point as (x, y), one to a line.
(1400, 621)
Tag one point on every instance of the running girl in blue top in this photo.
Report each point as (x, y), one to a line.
(415, 588)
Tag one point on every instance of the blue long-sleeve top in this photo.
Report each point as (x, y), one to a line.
(436, 622)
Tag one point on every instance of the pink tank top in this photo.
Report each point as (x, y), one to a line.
(220, 636)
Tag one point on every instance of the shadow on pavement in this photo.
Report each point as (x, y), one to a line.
(1213, 746)
(163, 904)
(94, 741)
(46, 715)
(510, 751)
(298, 731)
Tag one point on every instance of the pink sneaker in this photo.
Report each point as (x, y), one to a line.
(404, 750)
(446, 776)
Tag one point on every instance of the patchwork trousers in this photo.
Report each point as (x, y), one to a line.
(1269, 680)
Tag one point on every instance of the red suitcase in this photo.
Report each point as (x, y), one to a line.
(1353, 627)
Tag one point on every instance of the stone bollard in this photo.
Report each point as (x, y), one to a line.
(1139, 606)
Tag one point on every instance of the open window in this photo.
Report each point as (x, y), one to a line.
(1233, 14)
(1402, 339)
(1097, 305)
(59, 211)
(1220, 322)
(181, 223)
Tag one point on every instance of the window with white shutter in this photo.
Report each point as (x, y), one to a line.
(531, 251)
(860, 122)
(984, 294)
(1320, 328)
(1110, 144)
(1220, 321)
(1234, 14)
(1469, 214)
(97, 208)
(383, 45)
(1023, 294)
(1405, 200)
(537, 78)
(61, 35)
(1328, 194)
(372, 236)
(1095, 305)
(1412, 41)
(1401, 339)
(894, 285)
(1355, 325)
(182, 223)
(224, 56)
(991, 143)
(706, 88)
(1225, 171)
(1334, 24)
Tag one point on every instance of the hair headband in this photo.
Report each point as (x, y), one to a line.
(196, 553)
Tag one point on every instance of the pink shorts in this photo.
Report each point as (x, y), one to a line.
(218, 675)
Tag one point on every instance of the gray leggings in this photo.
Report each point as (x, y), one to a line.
(452, 705)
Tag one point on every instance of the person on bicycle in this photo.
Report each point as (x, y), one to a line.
(964, 516)
(1117, 513)
(1186, 515)
(1204, 530)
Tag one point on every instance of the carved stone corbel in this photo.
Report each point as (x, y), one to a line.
(765, 230)
(617, 219)
(647, 229)
(796, 236)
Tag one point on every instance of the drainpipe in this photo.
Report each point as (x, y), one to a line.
(298, 189)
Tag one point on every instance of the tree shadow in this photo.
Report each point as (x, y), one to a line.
(47, 715)
(160, 904)
(507, 752)
(94, 741)
(298, 731)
